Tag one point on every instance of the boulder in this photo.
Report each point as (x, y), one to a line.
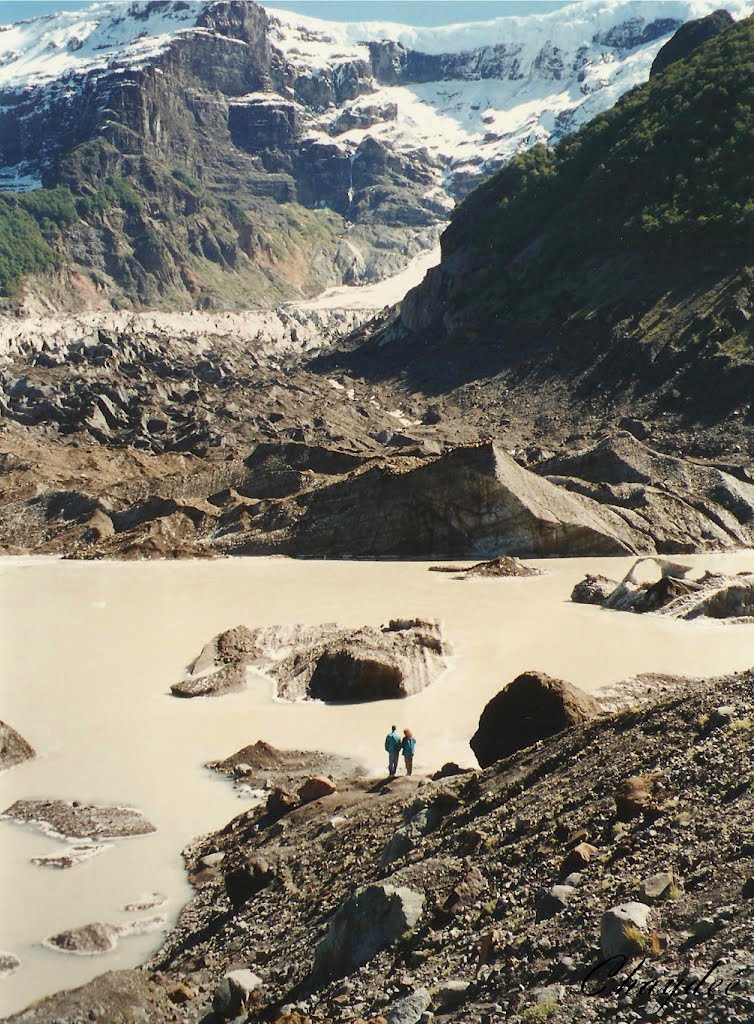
(449, 770)
(247, 880)
(280, 802)
(533, 707)
(212, 860)
(409, 1010)
(638, 794)
(315, 788)
(180, 993)
(628, 930)
(578, 858)
(659, 886)
(553, 901)
(232, 995)
(13, 747)
(593, 590)
(452, 993)
(372, 919)
(467, 891)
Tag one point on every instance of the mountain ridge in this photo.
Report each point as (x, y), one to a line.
(239, 127)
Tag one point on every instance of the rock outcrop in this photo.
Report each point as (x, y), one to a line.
(533, 707)
(262, 766)
(97, 938)
(13, 747)
(325, 662)
(690, 37)
(502, 567)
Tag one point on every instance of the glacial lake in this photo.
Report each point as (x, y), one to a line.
(88, 652)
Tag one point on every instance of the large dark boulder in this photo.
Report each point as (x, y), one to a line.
(689, 37)
(533, 707)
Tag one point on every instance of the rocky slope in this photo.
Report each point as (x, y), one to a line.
(601, 279)
(215, 154)
(625, 837)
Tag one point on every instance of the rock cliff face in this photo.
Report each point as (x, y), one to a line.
(214, 154)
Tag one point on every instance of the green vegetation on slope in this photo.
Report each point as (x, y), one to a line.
(28, 224)
(668, 170)
(149, 233)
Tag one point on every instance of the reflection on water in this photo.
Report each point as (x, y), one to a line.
(88, 652)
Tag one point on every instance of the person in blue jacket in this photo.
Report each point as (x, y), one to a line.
(393, 747)
(408, 746)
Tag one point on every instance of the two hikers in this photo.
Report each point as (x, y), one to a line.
(394, 745)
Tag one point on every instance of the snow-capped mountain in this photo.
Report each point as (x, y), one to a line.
(475, 94)
(382, 125)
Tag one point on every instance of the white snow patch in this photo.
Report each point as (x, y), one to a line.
(382, 293)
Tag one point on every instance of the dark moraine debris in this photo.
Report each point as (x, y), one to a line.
(8, 964)
(533, 707)
(468, 503)
(260, 765)
(325, 662)
(80, 821)
(504, 566)
(88, 940)
(13, 747)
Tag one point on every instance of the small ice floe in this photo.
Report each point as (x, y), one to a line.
(97, 938)
(147, 901)
(77, 853)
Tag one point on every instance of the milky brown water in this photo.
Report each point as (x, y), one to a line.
(89, 650)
